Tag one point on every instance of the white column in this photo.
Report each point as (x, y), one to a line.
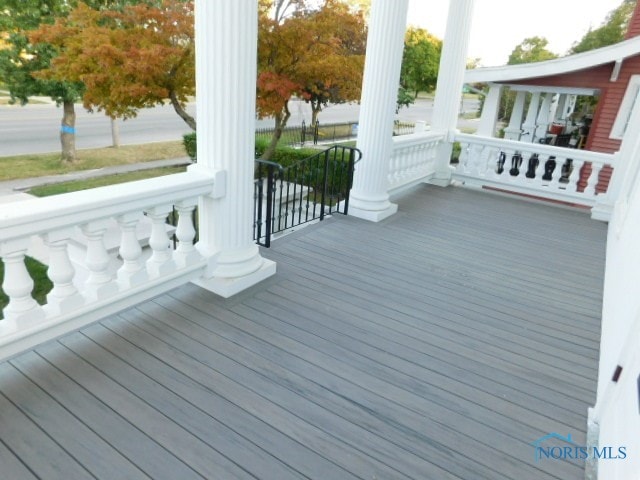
(542, 122)
(529, 126)
(226, 69)
(513, 131)
(490, 109)
(453, 62)
(387, 24)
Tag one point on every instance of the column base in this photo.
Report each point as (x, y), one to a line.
(227, 287)
(373, 215)
(602, 211)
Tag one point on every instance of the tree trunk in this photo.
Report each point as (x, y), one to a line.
(115, 133)
(315, 111)
(281, 120)
(68, 133)
(188, 119)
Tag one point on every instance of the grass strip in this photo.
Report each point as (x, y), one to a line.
(38, 165)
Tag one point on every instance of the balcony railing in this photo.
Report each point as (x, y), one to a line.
(555, 173)
(98, 281)
(413, 159)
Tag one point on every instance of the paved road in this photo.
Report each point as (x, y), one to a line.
(34, 128)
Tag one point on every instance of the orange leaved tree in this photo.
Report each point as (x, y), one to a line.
(314, 53)
(130, 58)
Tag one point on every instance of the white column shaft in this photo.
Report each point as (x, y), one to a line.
(513, 131)
(385, 43)
(542, 122)
(226, 69)
(490, 109)
(453, 62)
(529, 125)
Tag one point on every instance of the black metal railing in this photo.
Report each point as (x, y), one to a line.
(307, 190)
(324, 133)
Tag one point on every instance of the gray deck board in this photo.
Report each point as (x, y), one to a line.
(437, 344)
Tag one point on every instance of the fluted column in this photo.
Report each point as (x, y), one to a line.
(513, 131)
(453, 63)
(542, 123)
(226, 69)
(490, 109)
(529, 126)
(387, 24)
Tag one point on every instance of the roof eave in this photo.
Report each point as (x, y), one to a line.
(571, 63)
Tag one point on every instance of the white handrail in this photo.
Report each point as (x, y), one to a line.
(413, 159)
(87, 287)
(544, 171)
(39, 215)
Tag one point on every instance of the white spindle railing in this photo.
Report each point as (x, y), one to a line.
(534, 169)
(78, 299)
(413, 159)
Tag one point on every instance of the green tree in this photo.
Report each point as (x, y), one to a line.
(21, 59)
(420, 61)
(533, 49)
(612, 30)
(105, 49)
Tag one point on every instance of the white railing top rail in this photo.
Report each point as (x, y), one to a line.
(41, 215)
(413, 139)
(539, 148)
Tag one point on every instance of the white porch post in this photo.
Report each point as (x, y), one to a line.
(490, 109)
(529, 126)
(387, 24)
(226, 68)
(542, 123)
(453, 62)
(514, 130)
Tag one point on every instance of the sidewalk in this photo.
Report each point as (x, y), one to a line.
(14, 190)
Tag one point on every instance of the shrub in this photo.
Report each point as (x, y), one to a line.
(189, 141)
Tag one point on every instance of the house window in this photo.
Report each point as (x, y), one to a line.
(626, 107)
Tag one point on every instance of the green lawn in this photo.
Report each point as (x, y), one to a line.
(76, 185)
(38, 165)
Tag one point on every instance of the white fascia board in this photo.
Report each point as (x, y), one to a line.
(571, 63)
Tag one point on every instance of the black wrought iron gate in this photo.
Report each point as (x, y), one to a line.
(307, 190)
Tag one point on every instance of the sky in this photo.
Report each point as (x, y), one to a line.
(500, 25)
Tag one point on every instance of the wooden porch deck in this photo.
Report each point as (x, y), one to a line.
(438, 344)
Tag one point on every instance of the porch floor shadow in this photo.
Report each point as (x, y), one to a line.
(440, 343)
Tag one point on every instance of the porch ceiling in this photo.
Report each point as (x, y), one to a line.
(439, 343)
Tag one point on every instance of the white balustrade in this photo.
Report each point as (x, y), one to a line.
(22, 310)
(478, 167)
(186, 253)
(413, 159)
(92, 215)
(131, 272)
(161, 261)
(64, 296)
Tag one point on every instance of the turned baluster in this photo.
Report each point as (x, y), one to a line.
(186, 253)
(590, 189)
(64, 296)
(131, 272)
(463, 159)
(574, 177)
(161, 261)
(100, 283)
(22, 310)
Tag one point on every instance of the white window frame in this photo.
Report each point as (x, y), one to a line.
(624, 112)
